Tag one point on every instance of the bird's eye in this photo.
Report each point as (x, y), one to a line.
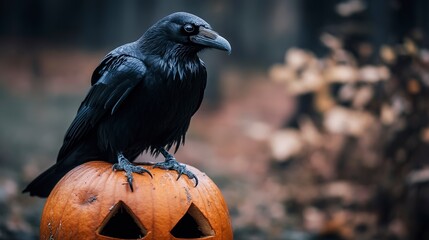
(189, 28)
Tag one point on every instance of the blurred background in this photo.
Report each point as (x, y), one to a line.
(315, 127)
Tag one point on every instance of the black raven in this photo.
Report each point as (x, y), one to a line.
(142, 98)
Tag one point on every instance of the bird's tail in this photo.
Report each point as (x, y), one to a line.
(45, 182)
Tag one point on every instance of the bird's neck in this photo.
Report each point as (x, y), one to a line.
(176, 60)
(180, 67)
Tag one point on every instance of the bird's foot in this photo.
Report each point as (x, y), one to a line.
(125, 165)
(171, 163)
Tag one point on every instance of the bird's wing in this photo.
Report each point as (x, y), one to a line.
(112, 81)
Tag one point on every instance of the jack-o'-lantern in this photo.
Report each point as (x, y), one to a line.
(94, 202)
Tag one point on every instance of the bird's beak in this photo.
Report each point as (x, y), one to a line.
(210, 38)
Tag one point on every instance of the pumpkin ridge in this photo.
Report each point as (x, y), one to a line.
(153, 203)
(223, 210)
(88, 187)
(113, 174)
(171, 223)
(182, 192)
(105, 178)
(108, 178)
(209, 194)
(100, 171)
(72, 177)
(50, 219)
(169, 182)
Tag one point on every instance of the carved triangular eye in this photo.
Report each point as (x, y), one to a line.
(193, 225)
(121, 223)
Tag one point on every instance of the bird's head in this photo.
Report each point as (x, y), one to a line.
(184, 32)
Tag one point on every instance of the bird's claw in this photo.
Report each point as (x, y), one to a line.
(172, 164)
(125, 165)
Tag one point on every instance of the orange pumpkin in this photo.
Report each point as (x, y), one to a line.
(94, 202)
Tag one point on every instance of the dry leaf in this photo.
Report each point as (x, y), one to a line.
(257, 130)
(314, 219)
(285, 144)
(410, 46)
(373, 74)
(281, 73)
(340, 189)
(347, 92)
(324, 101)
(349, 122)
(388, 115)
(312, 80)
(331, 41)
(363, 96)
(388, 54)
(350, 7)
(309, 132)
(413, 86)
(418, 176)
(339, 224)
(424, 55)
(424, 135)
(297, 58)
(383, 72)
(341, 73)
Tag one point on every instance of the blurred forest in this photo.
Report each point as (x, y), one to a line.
(315, 127)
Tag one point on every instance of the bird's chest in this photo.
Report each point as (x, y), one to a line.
(172, 97)
(178, 98)
(158, 111)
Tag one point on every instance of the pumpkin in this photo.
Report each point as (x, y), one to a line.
(94, 202)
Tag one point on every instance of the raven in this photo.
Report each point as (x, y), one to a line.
(142, 98)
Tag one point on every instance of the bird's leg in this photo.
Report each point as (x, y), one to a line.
(171, 163)
(125, 165)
